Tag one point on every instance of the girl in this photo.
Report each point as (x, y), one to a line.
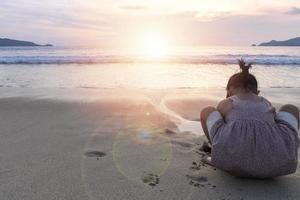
(248, 137)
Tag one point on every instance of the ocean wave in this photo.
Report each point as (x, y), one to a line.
(212, 59)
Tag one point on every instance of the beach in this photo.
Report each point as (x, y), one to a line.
(117, 144)
(102, 100)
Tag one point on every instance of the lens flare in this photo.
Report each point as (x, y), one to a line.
(141, 149)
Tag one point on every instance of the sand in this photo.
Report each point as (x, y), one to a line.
(89, 144)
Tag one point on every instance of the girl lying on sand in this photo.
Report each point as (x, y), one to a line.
(248, 137)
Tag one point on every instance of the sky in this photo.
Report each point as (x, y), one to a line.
(126, 22)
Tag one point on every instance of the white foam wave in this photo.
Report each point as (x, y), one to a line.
(212, 59)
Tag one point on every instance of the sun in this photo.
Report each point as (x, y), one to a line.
(154, 45)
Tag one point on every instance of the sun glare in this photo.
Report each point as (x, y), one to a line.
(154, 45)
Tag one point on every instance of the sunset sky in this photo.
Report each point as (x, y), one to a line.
(125, 22)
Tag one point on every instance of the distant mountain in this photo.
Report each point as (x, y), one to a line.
(290, 42)
(4, 42)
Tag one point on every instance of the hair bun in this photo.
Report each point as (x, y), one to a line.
(244, 66)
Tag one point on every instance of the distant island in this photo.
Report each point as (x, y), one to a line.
(291, 42)
(4, 42)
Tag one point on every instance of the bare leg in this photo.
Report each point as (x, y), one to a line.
(203, 118)
(292, 110)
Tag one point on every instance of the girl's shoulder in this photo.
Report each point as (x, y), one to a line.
(266, 101)
(225, 106)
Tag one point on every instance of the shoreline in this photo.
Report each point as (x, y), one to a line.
(192, 92)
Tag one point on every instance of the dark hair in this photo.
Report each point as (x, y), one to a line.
(243, 79)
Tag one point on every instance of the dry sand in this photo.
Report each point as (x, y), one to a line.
(114, 148)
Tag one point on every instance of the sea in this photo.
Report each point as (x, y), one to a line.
(52, 72)
(184, 67)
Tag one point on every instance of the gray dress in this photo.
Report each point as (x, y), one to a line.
(253, 142)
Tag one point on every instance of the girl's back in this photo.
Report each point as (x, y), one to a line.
(252, 142)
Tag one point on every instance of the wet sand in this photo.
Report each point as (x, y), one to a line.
(62, 144)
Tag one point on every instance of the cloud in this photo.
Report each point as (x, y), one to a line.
(213, 16)
(293, 11)
(57, 16)
(133, 7)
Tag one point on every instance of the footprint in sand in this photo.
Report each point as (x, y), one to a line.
(95, 154)
(199, 181)
(151, 179)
